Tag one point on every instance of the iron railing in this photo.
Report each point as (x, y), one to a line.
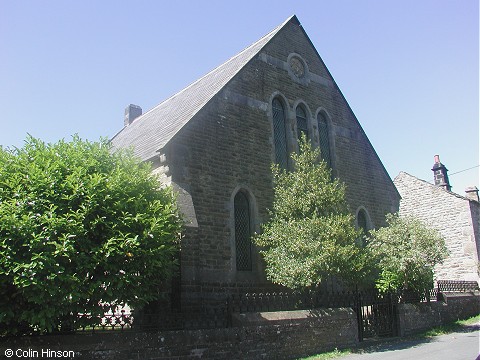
(121, 319)
(457, 286)
(219, 315)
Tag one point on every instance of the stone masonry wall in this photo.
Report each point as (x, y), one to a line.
(451, 215)
(286, 335)
(228, 146)
(273, 335)
(415, 318)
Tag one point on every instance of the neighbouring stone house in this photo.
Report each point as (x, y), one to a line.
(455, 216)
(215, 141)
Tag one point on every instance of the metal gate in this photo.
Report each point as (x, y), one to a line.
(377, 315)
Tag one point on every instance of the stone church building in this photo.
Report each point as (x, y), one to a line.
(215, 141)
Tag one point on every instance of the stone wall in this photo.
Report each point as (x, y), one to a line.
(282, 335)
(228, 146)
(271, 335)
(415, 318)
(454, 216)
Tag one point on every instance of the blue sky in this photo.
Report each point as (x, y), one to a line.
(409, 69)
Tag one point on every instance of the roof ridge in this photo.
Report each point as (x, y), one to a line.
(270, 33)
(155, 128)
(413, 176)
(433, 186)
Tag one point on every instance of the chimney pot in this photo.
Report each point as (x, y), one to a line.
(472, 193)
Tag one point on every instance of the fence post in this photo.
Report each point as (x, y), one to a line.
(358, 309)
(229, 310)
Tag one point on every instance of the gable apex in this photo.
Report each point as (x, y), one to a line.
(404, 177)
(153, 130)
(293, 19)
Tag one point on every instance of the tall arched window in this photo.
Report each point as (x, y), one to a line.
(362, 222)
(243, 232)
(324, 139)
(279, 134)
(302, 125)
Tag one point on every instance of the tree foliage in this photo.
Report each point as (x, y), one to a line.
(406, 252)
(311, 234)
(81, 228)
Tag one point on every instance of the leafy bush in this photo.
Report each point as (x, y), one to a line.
(406, 252)
(311, 234)
(81, 229)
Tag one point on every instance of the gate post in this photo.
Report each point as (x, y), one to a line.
(394, 309)
(229, 310)
(358, 309)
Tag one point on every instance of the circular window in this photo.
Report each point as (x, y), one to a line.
(297, 66)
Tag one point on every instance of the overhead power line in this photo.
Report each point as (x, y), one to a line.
(458, 172)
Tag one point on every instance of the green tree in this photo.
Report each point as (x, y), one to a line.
(311, 234)
(81, 229)
(406, 252)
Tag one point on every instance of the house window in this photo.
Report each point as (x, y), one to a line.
(279, 134)
(302, 125)
(243, 243)
(324, 139)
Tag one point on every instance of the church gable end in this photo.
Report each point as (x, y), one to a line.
(220, 157)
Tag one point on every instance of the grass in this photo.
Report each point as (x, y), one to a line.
(436, 331)
(328, 355)
(452, 327)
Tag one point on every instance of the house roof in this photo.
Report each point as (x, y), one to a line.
(153, 130)
(404, 175)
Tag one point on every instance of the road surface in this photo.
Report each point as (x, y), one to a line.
(462, 345)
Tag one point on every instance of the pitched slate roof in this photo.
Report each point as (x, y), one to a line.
(404, 176)
(152, 131)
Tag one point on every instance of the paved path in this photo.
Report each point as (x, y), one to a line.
(462, 345)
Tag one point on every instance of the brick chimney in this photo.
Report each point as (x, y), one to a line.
(472, 193)
(131, 113)
(440, 174)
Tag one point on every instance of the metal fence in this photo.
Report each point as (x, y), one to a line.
(285, 301)
(119, 319)
(457, 286)
(125, 319)
(219, 316)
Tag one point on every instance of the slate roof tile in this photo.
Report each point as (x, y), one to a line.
(153, 130)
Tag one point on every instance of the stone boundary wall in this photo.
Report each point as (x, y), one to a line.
(415, 318)
(274, 335)
(269, 335)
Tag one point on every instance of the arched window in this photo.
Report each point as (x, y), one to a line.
(323, 137)
(362, 220)
(243, 232)
(364, 224)
(302, 125)
(279, 134)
